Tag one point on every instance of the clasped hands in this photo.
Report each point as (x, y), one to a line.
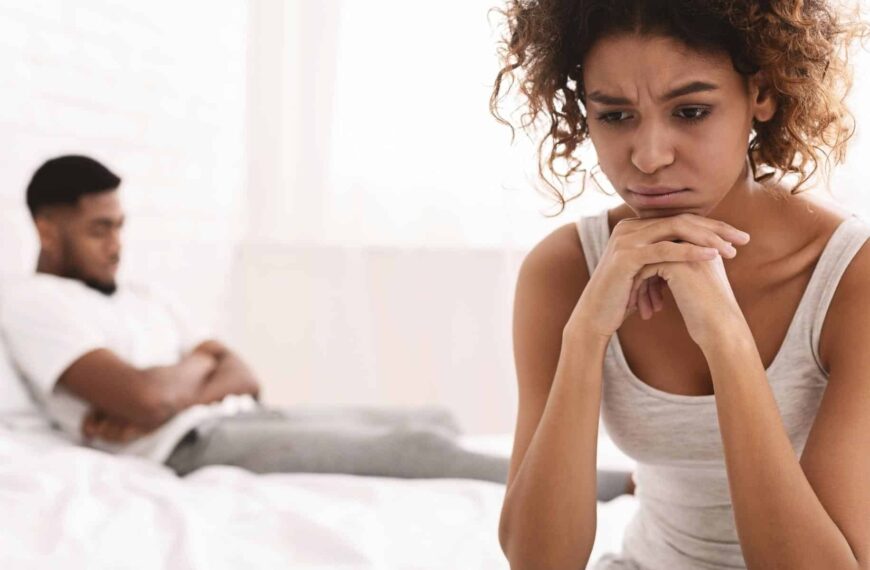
(700, 288)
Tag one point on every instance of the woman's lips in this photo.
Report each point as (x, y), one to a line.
(656, 199)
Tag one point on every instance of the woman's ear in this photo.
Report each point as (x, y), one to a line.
(762, 97)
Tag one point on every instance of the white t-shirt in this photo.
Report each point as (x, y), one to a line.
(50, 322)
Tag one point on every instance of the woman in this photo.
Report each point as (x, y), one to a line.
(748, 419)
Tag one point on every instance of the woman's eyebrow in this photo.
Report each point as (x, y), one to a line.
(692, 87)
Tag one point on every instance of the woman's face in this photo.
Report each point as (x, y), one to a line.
(663, 116)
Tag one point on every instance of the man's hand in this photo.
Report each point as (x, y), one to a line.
(213, 348)
(230, 375)
(98, 425)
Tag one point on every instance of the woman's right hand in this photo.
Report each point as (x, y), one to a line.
(637, 242)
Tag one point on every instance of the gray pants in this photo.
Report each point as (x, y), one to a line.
(376, 441)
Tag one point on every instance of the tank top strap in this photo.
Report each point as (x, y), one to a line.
(594, 233)
(842, 246)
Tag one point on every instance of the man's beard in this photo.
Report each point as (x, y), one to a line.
(71, 271)
(104, 288)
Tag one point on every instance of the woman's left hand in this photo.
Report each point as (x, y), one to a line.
(701, 290)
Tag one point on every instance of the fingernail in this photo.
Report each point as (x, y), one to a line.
(730, 249)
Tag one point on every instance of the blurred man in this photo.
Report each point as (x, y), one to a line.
(119, 367)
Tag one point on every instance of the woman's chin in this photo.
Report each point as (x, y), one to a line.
(668, 212)
(664, 213)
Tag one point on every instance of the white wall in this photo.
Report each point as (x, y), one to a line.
(156, 90)
(381, 326)
(269, 183)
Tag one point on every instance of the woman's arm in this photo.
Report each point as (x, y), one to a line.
(548, 515)
(780, 519)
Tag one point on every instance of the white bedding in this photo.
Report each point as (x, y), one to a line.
(67, 507)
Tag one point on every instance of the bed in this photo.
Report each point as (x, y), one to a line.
(63, 506)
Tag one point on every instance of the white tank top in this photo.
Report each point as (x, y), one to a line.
(684, 519)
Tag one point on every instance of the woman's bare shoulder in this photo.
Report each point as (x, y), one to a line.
(559, 259)
(816, 213)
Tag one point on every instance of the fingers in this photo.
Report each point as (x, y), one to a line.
(109, 431)
(113, 430)
(642, 308)
(632, 297)
(635, 293)
(89, 428)
(649, 258)
(655, 291)
(638, 298)
(667, 251)
(647, 272)
(692, 228)
(94, 415)
(118, 432)
(130, 432)
(93, 418)
(682, 238)
(92, 422)
(683, 222)
(655, 286)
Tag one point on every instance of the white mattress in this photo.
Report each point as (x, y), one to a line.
(67, 507)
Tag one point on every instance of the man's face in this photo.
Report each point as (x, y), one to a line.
(87, 240)
(650, 140)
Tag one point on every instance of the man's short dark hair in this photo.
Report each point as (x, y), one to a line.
(65, 179)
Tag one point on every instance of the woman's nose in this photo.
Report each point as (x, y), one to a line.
(652, 148)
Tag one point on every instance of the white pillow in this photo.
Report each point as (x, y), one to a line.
(13, 394)
(17, 407)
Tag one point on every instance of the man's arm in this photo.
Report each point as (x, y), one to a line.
(146, 397)
(230, 375)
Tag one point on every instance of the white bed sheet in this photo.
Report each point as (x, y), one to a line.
(67, 507)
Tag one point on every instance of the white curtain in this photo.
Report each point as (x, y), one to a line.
(384, 106)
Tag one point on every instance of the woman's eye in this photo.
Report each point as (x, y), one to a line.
(610, 117)
(688, 114)
(694, 113)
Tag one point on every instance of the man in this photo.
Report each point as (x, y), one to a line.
(120, 368)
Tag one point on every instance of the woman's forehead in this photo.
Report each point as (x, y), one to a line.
(620, 65)
(659, 46)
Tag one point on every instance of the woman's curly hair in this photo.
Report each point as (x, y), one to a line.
(802, 45)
